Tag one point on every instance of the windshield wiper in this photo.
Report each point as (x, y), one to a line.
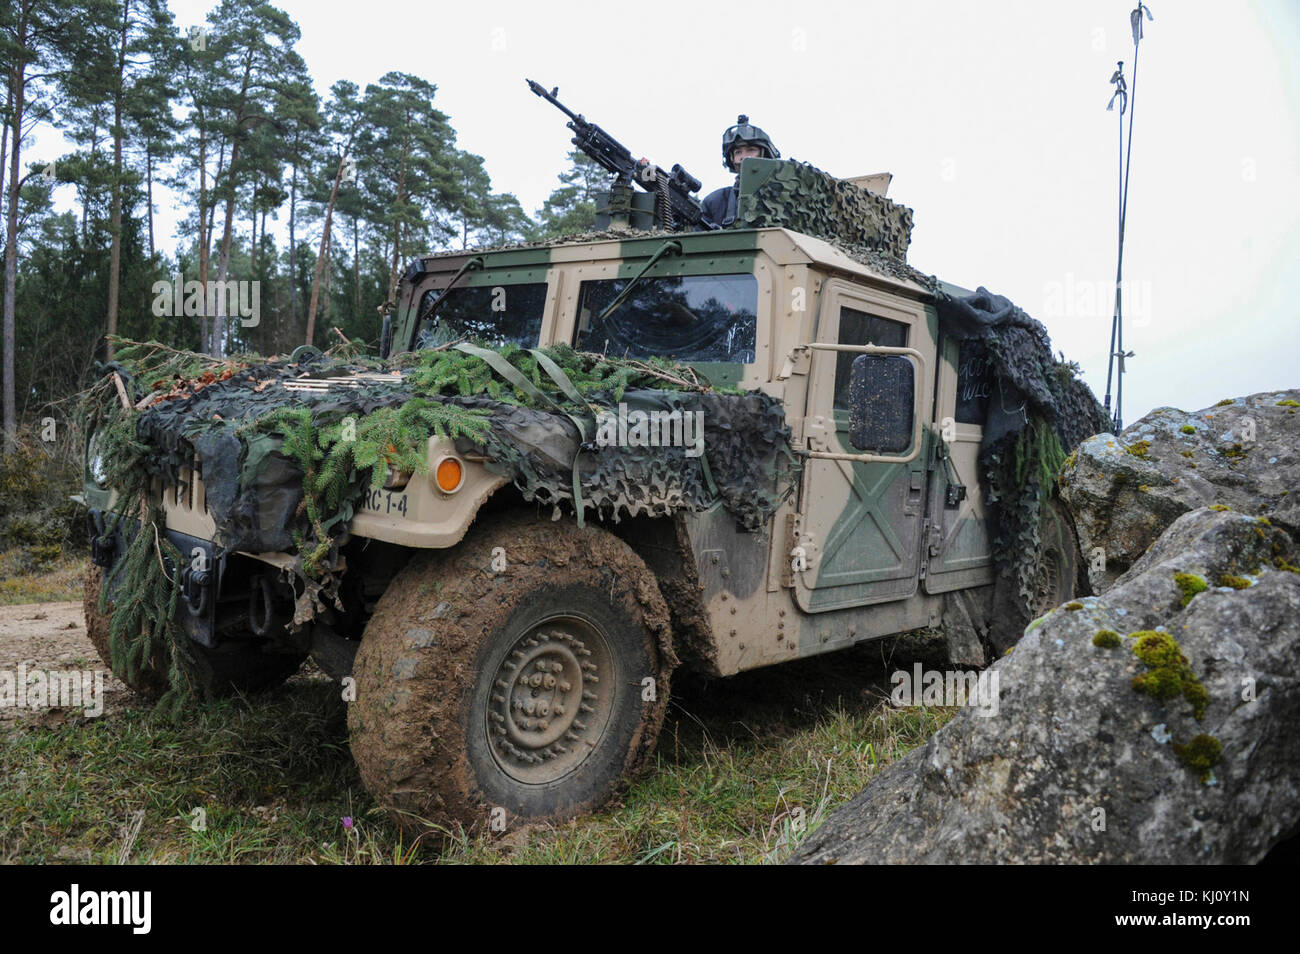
(474, 263)
(670, 246)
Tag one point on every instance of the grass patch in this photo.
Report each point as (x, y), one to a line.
(742, 773)
(23, 581)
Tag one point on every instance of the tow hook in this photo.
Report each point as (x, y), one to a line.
(196, 587)
(261, 605)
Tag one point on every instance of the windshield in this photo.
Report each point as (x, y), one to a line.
(697, 318)
(494, 314)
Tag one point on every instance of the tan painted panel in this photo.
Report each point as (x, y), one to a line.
(432, 519)
(958, 552)
(827, 255)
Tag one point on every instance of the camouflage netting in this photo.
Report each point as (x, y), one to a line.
(264, 448)
(1037, 410)
(801, 197)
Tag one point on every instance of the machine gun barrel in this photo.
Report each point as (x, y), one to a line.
(678, 207)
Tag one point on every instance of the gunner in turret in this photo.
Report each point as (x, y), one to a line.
(740, 142)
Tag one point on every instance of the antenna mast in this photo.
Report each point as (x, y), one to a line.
(1127, 102)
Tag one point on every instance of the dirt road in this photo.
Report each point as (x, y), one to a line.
(51, 636)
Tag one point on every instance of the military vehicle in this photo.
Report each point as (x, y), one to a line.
(501, 661)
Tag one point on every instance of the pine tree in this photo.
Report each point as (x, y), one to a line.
(40, 53)
(572, 207)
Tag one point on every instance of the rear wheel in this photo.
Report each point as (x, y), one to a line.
(1056, 577)
(523, 694)
(1055, 580)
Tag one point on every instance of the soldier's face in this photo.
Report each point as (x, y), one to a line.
(743, 152)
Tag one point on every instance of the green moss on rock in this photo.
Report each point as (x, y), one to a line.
(1187, 429)
(1074, 606)
(1169, 675)
(1288, 402)
(1190, 584)
(1219, 507)
(1236, 582)
(1201, 754)
(1106, 639)
(1139, 448)
(1224, 403)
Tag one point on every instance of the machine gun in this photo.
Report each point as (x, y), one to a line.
(674, 206)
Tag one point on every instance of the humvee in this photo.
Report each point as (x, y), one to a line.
(500, 661)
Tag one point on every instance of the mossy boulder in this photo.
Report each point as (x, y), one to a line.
(1124, 491)
(1168, 736)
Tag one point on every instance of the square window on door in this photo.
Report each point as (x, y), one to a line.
(859, 328)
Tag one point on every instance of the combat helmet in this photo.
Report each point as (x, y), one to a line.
(743, 132)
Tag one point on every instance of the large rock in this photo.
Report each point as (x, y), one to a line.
(1077, 765)
(1123, 492)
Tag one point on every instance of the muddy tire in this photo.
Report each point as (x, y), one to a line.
(231, 668)
(1055, 580)
(150, 682)
(523, 690)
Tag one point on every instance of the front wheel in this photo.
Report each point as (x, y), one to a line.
(527, 691)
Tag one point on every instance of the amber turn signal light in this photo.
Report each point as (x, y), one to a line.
(449, 474)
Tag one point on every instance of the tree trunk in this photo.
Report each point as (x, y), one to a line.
(204, 344)
(397, 231)
(324, 245)
(356, 265)
(17, 77)
(329, 272)
(205, 261)
(115, 254)
(148, 165)
(252, 247)
(4, 138)
(221, 322)
(293, 246)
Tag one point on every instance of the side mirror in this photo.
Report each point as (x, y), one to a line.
(881, 398)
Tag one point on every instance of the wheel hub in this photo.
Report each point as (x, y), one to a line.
(547, 709)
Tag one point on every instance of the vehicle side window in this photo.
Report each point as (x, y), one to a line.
(859, 328)
(972, 382)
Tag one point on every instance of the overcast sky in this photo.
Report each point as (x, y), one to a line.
(990, 115)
